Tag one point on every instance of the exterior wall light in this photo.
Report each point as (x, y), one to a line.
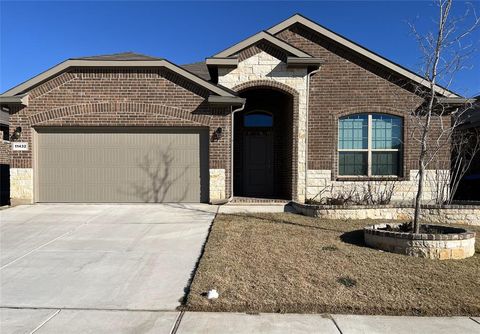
(17, 133)
(217, 134)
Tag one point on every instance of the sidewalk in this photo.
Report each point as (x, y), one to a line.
(108, 321)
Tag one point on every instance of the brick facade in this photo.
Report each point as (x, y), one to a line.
(121, 97)
(346, 83)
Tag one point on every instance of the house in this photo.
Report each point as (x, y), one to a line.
(287, 113)
(470, 183)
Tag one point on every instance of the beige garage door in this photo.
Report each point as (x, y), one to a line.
(128, 165)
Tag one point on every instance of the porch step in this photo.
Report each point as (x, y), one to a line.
(258, 201)
(255, 208)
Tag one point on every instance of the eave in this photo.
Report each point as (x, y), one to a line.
(21, 100)
(252, 40)
(225, 100)
(348, 44)
(64, 66)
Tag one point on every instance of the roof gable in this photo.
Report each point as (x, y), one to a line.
(117, 60)
(299, 19)
(257, 38)
(124, 56)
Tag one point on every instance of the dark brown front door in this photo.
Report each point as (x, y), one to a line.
(258, 163)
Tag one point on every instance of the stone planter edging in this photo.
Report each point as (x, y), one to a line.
(458, 243)
(454, 233)
(431, 214)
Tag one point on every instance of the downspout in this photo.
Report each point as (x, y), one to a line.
(232, 149)
(309, 75)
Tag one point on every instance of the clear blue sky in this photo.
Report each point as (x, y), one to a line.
(37, 35)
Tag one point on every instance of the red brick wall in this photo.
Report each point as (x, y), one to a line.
(347, 84)
(121, 97)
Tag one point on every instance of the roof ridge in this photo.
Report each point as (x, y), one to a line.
(119, 56)
(255, 38)
(298, 18)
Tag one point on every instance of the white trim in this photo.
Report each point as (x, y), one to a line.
(114, 63)
(369, 145)
(369, 150)
(357, 48)
(256, 38)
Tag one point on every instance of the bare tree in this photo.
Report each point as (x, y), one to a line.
(465, 147)
(444, 53)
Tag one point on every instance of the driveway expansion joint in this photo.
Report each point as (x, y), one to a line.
(176, 324)
(45, 321)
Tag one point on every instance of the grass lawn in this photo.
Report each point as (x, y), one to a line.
(290, 263)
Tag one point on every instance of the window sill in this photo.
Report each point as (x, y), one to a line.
(370, 178)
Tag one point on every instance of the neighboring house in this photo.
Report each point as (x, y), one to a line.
(4, 159)
(468, 189)
(313, 111)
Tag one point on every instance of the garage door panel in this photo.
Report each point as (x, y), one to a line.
(168, 165)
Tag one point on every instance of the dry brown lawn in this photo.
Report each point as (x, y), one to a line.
(291, 263)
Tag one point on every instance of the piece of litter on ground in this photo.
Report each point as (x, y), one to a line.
(212, 294)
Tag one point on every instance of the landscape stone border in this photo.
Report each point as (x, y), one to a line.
(453, 243)
(431, 214)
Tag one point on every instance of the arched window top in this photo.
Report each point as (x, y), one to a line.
(258, 119)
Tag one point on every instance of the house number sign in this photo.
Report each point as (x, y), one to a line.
(19, 146)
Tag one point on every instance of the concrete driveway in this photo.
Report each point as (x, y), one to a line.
(103, 257)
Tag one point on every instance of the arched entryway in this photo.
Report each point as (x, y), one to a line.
(263, 144)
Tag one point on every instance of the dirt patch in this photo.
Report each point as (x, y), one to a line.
(407, 227)
(291, 263)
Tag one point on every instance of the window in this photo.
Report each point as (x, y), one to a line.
(258, 119)
(369, 145)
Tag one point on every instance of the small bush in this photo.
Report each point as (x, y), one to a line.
(347, 281)
(329, 248)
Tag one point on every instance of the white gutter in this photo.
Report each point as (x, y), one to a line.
(309, 75)
(232, 149)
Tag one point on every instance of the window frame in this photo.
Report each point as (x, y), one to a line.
(369, 150)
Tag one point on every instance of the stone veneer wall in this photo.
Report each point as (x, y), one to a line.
(433, 214)
(21, 185)
(320, 186)
(264, 66)
(453, 243)
(217, 184)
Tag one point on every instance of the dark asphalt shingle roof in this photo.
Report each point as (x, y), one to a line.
(120, 56)
(199, 68)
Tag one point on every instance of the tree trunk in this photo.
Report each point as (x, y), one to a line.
(418, 198)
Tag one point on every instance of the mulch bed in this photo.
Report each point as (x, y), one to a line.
(291, 263)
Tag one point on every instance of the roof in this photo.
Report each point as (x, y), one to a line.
(123, 56)
(199, 68)
(262, 35)
(117, 60)
(299, 19)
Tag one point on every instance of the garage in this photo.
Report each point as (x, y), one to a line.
(115, 165)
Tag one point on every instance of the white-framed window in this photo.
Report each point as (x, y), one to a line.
(370, 145)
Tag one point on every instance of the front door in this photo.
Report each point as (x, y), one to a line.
(258, 163)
